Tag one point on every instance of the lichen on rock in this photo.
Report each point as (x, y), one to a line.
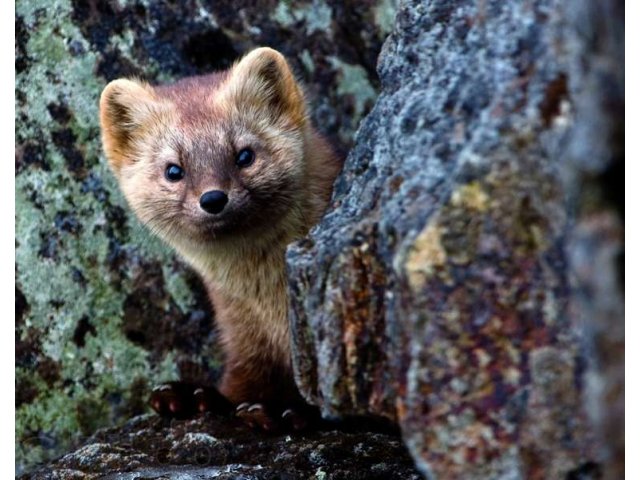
(455, 195)
(465, 283)
(148, 447)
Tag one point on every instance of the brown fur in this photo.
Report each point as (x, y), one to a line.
(200, 123)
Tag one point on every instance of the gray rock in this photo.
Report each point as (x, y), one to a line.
(211, 447)
(594, 179)
(436, 290)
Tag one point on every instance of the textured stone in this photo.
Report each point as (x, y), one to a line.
(103, 310)
(212, 447)
(594, 179)
(467, 282)
(436, 290)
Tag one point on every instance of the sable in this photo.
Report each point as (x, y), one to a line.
(198, 127)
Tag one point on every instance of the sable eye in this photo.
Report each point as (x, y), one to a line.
(245, 157)
(174, 173)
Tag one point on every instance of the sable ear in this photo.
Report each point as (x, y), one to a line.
(125, 107)
(264, 79)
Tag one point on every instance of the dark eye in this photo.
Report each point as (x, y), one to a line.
(174, 173)
(245, 157)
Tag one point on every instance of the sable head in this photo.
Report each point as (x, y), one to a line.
(211, 156)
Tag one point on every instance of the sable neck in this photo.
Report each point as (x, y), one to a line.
(238, 266)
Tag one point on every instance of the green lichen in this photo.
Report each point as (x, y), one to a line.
(316, 16)
(320, 474)
(177, 288)
(385, 14)
(282, 14)
(354, 81)
(123, 42)
(75, 402)
(307, 61)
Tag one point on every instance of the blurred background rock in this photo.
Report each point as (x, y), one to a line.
(468, 282)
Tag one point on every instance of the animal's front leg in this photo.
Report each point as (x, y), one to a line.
(276, 418)
(267, 398)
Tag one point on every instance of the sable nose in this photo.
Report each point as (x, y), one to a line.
(213, 201)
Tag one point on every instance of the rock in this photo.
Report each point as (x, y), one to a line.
(467, 282)
(213, 447)
(594, 179)
(103, 310)
(436, 290)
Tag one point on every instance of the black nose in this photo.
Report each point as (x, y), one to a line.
(213, 201)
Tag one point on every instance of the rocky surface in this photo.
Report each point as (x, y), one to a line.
(210, 447)
(594, 179)
(467, 282)
(103, 310)
(437, 291)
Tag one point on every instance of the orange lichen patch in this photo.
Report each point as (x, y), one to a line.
(363, 324)
(401, 408)
(426, 256)
(352, 330)
(471, 196)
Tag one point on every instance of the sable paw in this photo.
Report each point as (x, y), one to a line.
(185, 400)
(297, 420)
(259, 416)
